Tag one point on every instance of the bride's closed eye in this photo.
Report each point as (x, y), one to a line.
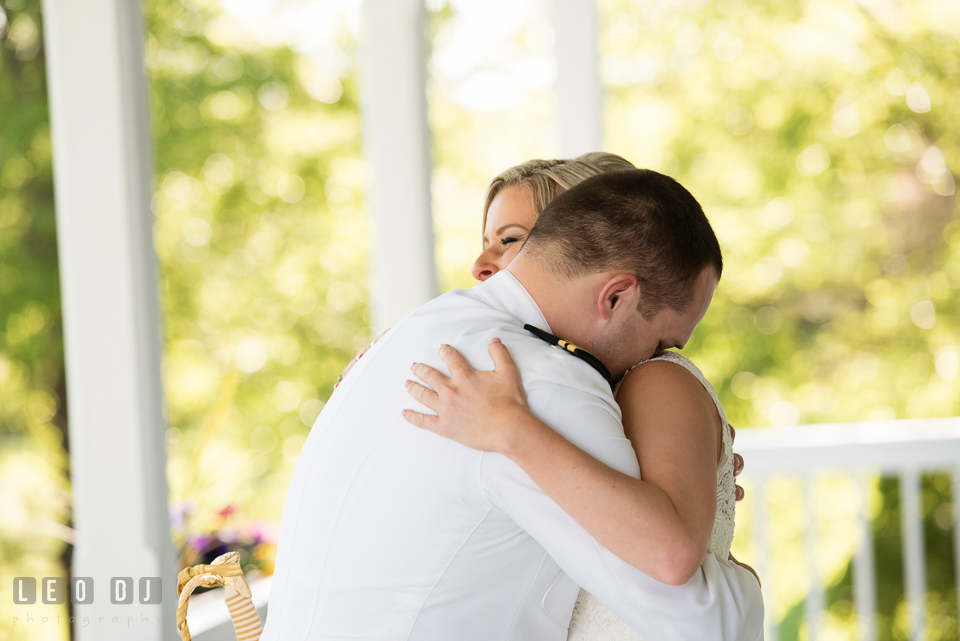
(509, 239)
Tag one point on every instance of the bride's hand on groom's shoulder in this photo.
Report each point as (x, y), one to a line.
(477, 409)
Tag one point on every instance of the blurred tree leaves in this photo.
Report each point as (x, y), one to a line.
(35, 498)
(819, 137)
(262, 243)
(32, 356)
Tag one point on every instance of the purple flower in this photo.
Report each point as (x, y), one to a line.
(199, 542)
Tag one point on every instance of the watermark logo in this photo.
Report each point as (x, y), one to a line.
(53, 590)
(150, 590)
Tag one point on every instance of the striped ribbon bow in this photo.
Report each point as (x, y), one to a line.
(225, 570)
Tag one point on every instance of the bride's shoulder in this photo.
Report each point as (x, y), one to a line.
(669, 376)
(671, 357)
(667, 368)
(657, 361)
(670, 373)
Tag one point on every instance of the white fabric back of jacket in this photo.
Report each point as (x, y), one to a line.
(390, 532)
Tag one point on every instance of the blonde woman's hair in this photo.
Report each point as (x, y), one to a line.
(547, 179)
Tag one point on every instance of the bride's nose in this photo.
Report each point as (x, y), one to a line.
(484, 268)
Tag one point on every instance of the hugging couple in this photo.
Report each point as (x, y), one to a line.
(477, 473)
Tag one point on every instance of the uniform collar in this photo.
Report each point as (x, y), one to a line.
(567, 346)
(504, 292)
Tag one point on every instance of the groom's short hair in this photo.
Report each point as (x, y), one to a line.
(635, 220)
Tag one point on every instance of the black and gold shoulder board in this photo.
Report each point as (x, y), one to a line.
(579, 352)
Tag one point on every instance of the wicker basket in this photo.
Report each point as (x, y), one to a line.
(225, 570)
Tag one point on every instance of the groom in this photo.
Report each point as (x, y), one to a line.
(391, 532)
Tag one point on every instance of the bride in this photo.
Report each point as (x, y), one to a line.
(683, 507)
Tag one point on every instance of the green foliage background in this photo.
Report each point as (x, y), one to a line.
(263, 253)
(821, 139)
(819, 136)
(34, 487)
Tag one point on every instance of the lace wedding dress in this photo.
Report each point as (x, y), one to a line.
(593, 621)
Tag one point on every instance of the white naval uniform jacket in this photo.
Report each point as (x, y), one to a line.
(392, 533)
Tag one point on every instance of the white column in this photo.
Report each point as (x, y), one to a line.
(396, 143)
(579, 93)
(102, 179)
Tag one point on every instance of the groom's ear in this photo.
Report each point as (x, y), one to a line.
(620, 292)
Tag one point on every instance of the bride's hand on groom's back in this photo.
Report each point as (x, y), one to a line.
(737, 464)
(359, 355)
(476, 409)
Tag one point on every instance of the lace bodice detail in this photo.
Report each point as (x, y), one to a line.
(593, 621)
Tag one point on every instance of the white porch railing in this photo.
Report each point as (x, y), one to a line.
(904, 449)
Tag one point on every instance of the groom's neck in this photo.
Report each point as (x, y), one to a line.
(566, 303)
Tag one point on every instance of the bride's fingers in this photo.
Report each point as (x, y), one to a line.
(430, 376)
(425, 396)
(455, 361)
(502, 361)
(425, 421)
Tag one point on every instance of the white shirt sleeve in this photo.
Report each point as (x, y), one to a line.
(721, 602)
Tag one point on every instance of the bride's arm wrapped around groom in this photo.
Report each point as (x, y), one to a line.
(587, 432)
(391, 532)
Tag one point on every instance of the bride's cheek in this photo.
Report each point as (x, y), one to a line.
(511, 253)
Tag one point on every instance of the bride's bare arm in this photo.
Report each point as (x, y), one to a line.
(675, 429)
(660, 525)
